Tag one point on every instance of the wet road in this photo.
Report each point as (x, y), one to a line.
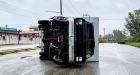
(24, 46)
(115, 59)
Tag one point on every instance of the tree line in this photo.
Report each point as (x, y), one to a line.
(132, 32)
(133, 24)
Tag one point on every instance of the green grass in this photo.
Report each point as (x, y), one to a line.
(4, 52)
(137, 44)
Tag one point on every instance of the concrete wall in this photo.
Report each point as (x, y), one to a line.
(13, 39)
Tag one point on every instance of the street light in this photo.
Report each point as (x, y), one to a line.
(53, 11)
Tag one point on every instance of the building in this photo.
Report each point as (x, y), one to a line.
(14, 36)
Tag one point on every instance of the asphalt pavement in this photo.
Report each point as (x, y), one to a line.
(115, 59)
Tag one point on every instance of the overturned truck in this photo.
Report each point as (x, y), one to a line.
(66, 40)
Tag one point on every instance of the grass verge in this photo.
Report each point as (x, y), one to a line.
(136, 44)
(15, 51)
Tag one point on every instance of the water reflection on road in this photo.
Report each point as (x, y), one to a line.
(91, 68)
(115, 59)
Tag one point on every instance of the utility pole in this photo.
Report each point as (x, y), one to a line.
(6, 26)
(104, 33)
(61, 8)
(18, 37)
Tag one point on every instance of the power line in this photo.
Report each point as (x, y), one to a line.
(69, 8)
(76, 9)
(89, 4)
(53, 11)
(110, 19)
(6, 4)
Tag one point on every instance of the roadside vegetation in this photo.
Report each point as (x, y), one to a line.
(132, 43)
(130, 35)
(4, 52)
(133, 26)
(114, 37)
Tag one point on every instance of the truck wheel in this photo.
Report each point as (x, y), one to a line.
(43, 56)
(44, 22)
(58, 61)
(41, 26)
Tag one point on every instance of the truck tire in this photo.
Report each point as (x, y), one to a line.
(43, 22)
(41, 26)
(43, 56)
(58, 61)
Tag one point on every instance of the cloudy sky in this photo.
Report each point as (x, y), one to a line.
(25, 13)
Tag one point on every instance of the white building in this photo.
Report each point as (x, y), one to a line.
(16, 37)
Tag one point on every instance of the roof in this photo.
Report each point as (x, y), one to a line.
(29, 33)
(8, 29)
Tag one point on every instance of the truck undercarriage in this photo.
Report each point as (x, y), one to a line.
(66, 40)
